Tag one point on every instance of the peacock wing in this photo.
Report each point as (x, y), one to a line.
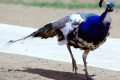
(49, 30)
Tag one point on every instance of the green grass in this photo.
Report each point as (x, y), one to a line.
(61, 5)
(55, 4)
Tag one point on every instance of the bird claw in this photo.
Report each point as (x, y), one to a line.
(74, 66)
(87, 77)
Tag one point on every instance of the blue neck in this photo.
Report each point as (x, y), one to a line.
(102, 17)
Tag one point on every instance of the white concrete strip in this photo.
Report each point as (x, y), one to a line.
(107, 56)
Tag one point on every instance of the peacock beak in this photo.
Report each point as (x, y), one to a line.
(113, 9)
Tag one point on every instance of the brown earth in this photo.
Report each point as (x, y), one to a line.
(16, 67)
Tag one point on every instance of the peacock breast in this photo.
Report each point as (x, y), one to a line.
(93, 31)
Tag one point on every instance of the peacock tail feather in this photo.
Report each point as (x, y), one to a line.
(45, 32)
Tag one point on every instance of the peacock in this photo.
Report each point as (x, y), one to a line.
(86, 31)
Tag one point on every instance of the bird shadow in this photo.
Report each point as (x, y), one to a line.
(56, 75)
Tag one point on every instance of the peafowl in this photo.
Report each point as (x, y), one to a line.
(86, 31)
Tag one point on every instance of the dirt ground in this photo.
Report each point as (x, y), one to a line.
(17, 67)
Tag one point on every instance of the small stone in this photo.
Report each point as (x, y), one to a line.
(11, 69)
(59, 64)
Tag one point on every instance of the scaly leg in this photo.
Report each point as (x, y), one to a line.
(73, 60)
(86, 76)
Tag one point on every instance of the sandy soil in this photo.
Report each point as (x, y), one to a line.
(16, 67)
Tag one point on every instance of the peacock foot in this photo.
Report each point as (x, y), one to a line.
(74, 65)
(88, 77)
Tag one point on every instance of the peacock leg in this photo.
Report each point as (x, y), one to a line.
(73, 60)
(86, 76)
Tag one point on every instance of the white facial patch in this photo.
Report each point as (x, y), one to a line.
(107, 18)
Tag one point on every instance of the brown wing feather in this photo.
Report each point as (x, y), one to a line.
(45, 32)
(49, 30)
(61, 23)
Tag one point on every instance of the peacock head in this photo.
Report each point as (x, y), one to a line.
(110, 7)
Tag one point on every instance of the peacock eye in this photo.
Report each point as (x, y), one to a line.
(109, 8)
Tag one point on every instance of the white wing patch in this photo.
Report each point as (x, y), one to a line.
(76, 18)
(74, 22)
